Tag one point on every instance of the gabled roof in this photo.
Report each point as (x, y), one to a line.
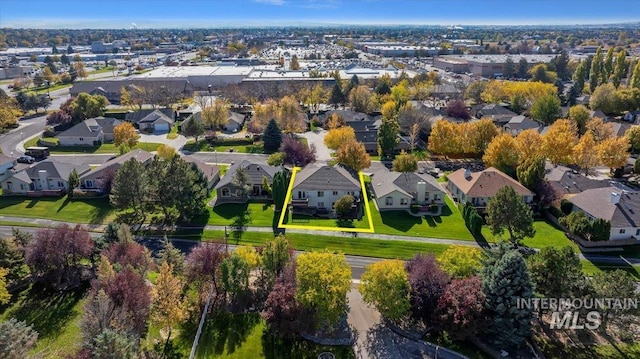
(55, 169)
(385, 182)
(115, 163)
(564, 181)
(485, 183)
(21, 176)
(107, 123)
(494, 110)
(87, 128)
(522, 122)
(597, 203)
(619, 129)
(137, 116)
(254, 172)
(347, 115)
(210, 171)
(315, 177)
(157, 116)
(236, 117)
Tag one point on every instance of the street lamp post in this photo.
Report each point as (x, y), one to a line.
(22, 135)
(48, 87)
(215, 152)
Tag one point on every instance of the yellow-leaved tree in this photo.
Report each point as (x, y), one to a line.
(249, 255)
(585, 155)
(481, 133)
(125, 134)
(559, 140)
(502, 153)
(529, 144)
(385, 285)
(460, 261)
(444, 138)
(339, 136)
(601, 130)
(166, 152)
(323, 280)
(168, 307)
(613, 152)
(353, 155)
(4, 293)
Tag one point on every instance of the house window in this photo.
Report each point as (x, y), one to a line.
(320, 193)
(623, 231)
(21, 186)
(320, 204)
(225, 192)
(335, 193)
(404, 201)
(89, 183)
(81, 139)
(388, 201)
(302, 194)
(60, 184)
(638, 232)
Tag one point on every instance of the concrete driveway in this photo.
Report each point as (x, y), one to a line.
(316, 138)
(161, 137)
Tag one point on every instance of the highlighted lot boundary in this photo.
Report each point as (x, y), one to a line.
(367, 211)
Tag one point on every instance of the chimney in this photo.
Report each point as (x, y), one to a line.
(467, 173)
(42, 176)
(421, 191)
(615, 198)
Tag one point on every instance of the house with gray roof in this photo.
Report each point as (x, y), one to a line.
(319, 187)
(396, 190)
(160, 119)
(6, 165)
(99, 179)
(621, 208)
(90, 132)
(520, 123)
(499, 114)
(235, 121)
(211, 172)
(227, 190)
(46, 178)
(564, 181)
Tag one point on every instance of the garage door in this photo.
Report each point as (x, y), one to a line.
(162, 127)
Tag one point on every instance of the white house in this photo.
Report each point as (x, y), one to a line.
(320, 186)
(479, 187)
(96, 179)
(6, 164)
(395, 190)
(90, 132)
(42, 178)
(621, 208)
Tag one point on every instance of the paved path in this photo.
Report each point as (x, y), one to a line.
(603, 259)
(316, 138)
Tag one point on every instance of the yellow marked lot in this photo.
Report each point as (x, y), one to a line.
(367, 211)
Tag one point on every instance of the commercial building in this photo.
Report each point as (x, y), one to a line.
(486, 65)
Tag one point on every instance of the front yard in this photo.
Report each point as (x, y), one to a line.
(102, 149)
(93, 211)
(205, 146)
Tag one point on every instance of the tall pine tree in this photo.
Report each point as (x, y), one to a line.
(272, 137)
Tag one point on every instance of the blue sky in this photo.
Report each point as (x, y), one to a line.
(212, 13)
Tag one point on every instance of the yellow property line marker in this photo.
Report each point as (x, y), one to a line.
(321, 228)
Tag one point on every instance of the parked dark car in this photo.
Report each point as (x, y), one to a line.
(26, 159)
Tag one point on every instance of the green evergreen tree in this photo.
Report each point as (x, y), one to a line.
(272, 137)
(531, 172)
(607, 67)
(337, 96)
(620, 68)
(112, 344)
(508, 211)
(388, 137)
(595, 75)
(579, 76)
(557, 272)
(279, 189)
(74, 181)
(505, 280)
(634, 82)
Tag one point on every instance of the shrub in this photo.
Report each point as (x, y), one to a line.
(566, 207)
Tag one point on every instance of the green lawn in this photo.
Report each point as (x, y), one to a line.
(100, 71)
(242, 214)
(590, 268)
(55, 316)
(310, 221)
(547, 235)
(94, 211)
(104, 148)
(204, 146)
(228, 336)
(43, 89)
(611, 351)
(449, 225)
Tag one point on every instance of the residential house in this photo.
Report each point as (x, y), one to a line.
(621, 208)
(234, 123)
(86, 133)
(46, 178)
(479, 187)
(598, 114)
(229, 191)
(6, 165)
(152, 119)
(620, 129)
(565, 181)
(90, 132)
(212, 172)
(520, 123)
(396, 190)
(98, 179)
(317, 188)
(633, 117)
(499, 114)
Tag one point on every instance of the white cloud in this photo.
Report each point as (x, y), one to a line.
(271, 2)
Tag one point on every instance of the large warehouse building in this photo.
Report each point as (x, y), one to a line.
(485, 65)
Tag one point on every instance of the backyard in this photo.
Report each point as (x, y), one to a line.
(239, 146)
(93, 211)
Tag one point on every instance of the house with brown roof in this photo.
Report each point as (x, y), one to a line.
(620, 208)
(479, 187)
(212, 172)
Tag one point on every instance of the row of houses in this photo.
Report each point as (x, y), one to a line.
(50, 178)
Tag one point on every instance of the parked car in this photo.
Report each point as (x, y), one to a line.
(26, 159)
